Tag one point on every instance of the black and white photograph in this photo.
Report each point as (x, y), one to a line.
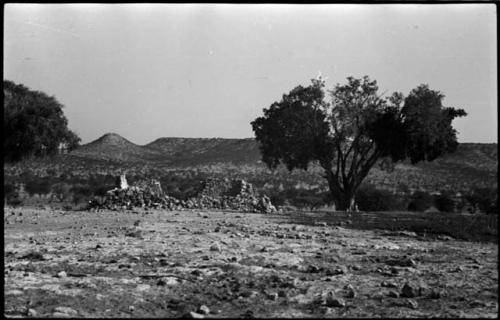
(218, 160)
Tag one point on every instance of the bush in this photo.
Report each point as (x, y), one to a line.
(81, 194)
(486, 199)
(9, 190)
(301, 198)
(61, 191)
(277, 197)
(38, 186)
(369, 198)
(445, 202)
(309, 201)
(11, 195)
(420, 201)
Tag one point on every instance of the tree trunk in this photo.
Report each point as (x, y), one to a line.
(346, 202)
(343, 197)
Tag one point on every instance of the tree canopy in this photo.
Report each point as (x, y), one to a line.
(34, 124)
(352, 131)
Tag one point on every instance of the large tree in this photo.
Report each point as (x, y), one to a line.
(34, 124)
(352, 131)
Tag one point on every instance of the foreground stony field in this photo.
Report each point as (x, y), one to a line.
(226, 264)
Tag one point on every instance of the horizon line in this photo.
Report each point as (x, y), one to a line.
(253, 138)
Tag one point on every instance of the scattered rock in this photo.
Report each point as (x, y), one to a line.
(336, 271)
(273, 296)
(393, 294)
(215, 247)
(378, 295)
(248, 314)
(143, 287)
(62, 274)
(333, 301)
(411, 303)
(404, 262)
(131, 308)
(134, 234)
(14, 293)
(32, 313)
(437, 293)
(194, 315)
(400, 233)
(444, 237)
(249, 294)
(312, 269)
(61, 315)
(457, 269)
(328, 312)
(351, 293)
(203, 310)
(34, 256)
(478, 304)
(389, 284)
(282, 293)
(409, 290)
(412, 289)
(387, 246)
(65, 311)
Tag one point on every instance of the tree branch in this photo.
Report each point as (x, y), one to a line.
(365, 169)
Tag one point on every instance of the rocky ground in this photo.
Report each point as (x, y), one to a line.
(227, 264)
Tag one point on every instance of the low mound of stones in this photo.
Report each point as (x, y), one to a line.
(237, 195)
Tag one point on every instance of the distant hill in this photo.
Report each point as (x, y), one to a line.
(171, 151)
(195, 151)
(112, 146)
(472, 165)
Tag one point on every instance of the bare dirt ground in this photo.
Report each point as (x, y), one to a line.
(226, 264)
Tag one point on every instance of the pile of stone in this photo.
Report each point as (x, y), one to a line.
(230, 194)
(226, 194)
(143, 194)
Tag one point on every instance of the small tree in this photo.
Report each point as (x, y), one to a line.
(356, 129)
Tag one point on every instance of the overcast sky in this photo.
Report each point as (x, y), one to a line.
(198, 70)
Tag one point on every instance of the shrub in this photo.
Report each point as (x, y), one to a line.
(277, 197)
(486, 199)
(420, 201)
(61, 191)
(310, 201)
(9, 190)
(369, 198)
(38, 186)
(445, 202)
(81, 193)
